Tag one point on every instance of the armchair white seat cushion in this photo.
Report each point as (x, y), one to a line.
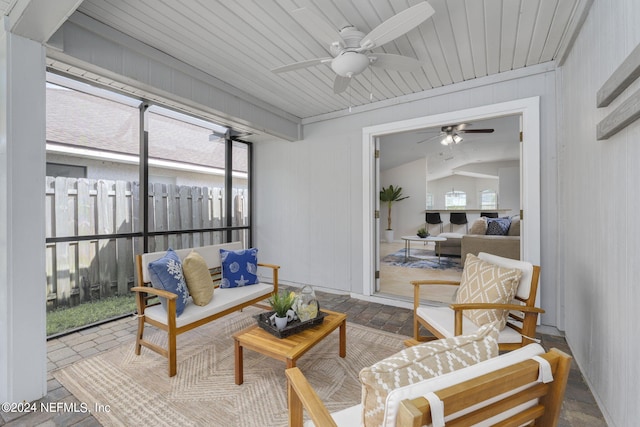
(442, 319)
(444, 322)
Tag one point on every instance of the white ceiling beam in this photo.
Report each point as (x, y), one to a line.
(37, 20)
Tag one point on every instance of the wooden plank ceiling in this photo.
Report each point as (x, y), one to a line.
(239, 42)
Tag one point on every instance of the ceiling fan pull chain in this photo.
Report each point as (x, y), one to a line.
(350, 103)
(370, 84)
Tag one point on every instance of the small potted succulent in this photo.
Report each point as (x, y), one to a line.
(281, 303)
(422, 233)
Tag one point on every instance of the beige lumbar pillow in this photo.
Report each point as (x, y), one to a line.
(422, 362)
(484, 282)
(198, 278)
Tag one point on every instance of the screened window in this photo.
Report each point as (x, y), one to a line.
(99, 214)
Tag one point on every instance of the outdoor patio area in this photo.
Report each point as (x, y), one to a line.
(579, 407)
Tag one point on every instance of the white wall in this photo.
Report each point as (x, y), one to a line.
(599, 201)
(309, 205)
(23, 365)
(407, 215)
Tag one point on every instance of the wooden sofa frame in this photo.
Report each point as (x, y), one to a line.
(510, 386)
(146, 297)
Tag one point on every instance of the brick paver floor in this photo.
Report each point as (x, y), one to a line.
(578, 409)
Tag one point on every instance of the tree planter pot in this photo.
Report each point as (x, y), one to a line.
(389, 235)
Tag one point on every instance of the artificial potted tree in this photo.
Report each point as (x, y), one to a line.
(389, 195)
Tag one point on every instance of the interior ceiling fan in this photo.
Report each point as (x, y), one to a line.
(452, 134)
(351, 48)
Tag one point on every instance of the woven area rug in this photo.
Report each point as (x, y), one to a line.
(422, 258)
(203, 393)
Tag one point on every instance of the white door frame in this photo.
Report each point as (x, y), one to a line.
(529, 108)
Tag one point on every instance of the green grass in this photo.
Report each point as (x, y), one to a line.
(65, 319)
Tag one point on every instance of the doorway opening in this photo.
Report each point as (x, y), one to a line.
(528, 111)
(456, 181)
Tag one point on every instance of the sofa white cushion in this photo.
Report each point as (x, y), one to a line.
(222, 300)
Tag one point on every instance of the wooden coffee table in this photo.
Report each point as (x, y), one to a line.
(291, 348)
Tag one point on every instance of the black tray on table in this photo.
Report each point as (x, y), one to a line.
(293, 327)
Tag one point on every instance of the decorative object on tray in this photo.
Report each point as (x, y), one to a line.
(422, 233)
(293, 327)
(306, 304)
(281, 303)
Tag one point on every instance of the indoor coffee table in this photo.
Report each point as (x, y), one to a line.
(291, 348)
(409, 239)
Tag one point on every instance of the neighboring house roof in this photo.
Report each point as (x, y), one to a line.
(78, 119)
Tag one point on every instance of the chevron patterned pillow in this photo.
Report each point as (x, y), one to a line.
(485, 282)
(421, 362)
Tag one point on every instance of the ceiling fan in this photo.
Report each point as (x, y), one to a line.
(451, 134)
(351, 48)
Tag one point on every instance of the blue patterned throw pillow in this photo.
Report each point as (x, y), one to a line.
(498, 226)
(239, 268)
(166, 274)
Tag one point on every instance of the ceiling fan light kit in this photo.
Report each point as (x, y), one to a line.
(350, 47)
(349, 64)
(451, 138)
(451, 134)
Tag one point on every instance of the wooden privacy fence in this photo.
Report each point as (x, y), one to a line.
(87, 269)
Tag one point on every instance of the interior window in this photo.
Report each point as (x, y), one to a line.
(455, 200)
(488, 199)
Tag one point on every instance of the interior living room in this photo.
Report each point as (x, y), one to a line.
(294, 115)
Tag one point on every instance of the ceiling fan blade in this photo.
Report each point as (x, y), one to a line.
(397, 25)
(477, 131)
(340, 84)
(301, 64)
(317, 26)
(394, 62)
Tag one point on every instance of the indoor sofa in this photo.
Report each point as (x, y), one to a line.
(505, 245)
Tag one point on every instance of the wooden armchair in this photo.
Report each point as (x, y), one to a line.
(512, 389)
(445, 322)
